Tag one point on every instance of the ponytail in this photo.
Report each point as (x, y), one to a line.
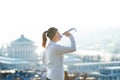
(50, 34)
(44, 39)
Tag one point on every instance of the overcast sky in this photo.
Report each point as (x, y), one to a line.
(32, 17)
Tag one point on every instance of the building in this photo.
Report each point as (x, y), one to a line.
(24, 49)
(10, 63)
(107, 73)
(91, 67)
(88, 61)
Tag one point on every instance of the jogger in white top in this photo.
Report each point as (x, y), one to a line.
(53, 53)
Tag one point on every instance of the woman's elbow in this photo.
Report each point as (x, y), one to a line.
(73, 50)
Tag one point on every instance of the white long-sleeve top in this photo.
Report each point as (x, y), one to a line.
(53, 58)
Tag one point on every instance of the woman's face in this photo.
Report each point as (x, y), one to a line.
(56, 37)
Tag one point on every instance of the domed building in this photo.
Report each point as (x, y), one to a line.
(24, 49)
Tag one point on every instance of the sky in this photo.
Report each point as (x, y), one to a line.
(32, 17)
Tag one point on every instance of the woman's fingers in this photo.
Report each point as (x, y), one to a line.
(66, 33)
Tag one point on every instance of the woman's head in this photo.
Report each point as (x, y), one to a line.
(52, 33)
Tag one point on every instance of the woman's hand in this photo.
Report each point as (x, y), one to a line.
(66, 33)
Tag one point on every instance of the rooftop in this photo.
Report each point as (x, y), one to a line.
(8, 60)
(22, 39)
(113, 68)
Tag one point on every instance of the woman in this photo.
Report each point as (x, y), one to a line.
(53, 54)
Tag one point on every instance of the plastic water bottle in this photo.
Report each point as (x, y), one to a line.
(70, 30)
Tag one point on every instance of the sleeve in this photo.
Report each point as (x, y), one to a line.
(66, 49)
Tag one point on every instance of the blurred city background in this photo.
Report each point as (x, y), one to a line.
(97, 37)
